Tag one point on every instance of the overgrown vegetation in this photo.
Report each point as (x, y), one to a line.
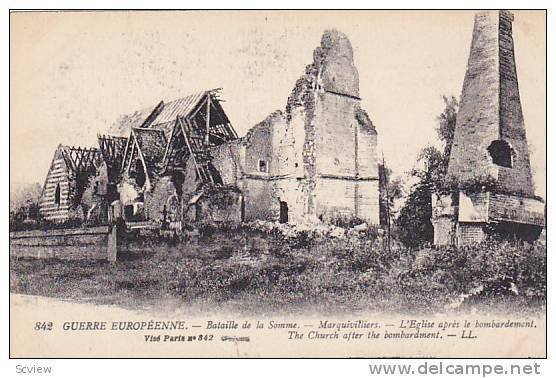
(414, 220)
(249, 270)
(27, 217)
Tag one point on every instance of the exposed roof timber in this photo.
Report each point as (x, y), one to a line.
(180, 122)
(113, 152)
(147, 145)
(169, 147)
(156, 111)
(222, 129)
(188, 113)
(111, 147)
(210, 94)
(224, 120)
(142, 157)
(129, 157)
(79, 159)
(129, 152)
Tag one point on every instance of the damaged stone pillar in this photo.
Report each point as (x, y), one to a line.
(112, 249)
(489, 169)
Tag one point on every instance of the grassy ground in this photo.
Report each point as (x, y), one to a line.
(249, 271)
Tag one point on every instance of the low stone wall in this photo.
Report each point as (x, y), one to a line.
(75, 243)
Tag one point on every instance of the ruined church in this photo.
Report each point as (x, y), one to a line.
(182, 161)
(489, 170)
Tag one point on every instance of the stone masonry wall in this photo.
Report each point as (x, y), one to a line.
(80, 243)
(346, 161)
(490, 109)
(227, 159)
(477, 123)
(336, 130)
(517, 179)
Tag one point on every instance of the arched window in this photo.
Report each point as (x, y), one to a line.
(501, 153)
(57, 195)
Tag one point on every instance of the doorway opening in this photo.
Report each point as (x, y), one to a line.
(283, 212)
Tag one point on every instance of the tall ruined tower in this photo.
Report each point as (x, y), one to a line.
(316, 161)
(489, 166)
(338, 152)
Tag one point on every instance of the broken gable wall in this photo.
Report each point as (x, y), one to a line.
(320, 155)
(238, 162)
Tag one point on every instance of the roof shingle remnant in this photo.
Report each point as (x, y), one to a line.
(162, 116)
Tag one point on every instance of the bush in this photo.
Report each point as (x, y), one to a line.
(255, 268)
(27, 217)
(345, 221)
(449, 272)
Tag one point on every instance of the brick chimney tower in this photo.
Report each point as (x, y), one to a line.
(489, 168)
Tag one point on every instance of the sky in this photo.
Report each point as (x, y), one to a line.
(72, 74)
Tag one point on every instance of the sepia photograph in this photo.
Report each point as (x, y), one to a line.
(274, 183)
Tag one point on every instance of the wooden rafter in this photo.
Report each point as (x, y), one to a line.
(197, 151)
(129, 151)
(156, 111)
(79, 159)
(112, 148)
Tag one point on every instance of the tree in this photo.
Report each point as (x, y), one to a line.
(390, 190)
(414, 220)
(447, 124)
(413, 223)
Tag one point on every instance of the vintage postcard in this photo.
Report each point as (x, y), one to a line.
(278, 184)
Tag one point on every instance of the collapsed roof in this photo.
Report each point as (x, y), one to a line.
(80, 159)
(186, 127)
